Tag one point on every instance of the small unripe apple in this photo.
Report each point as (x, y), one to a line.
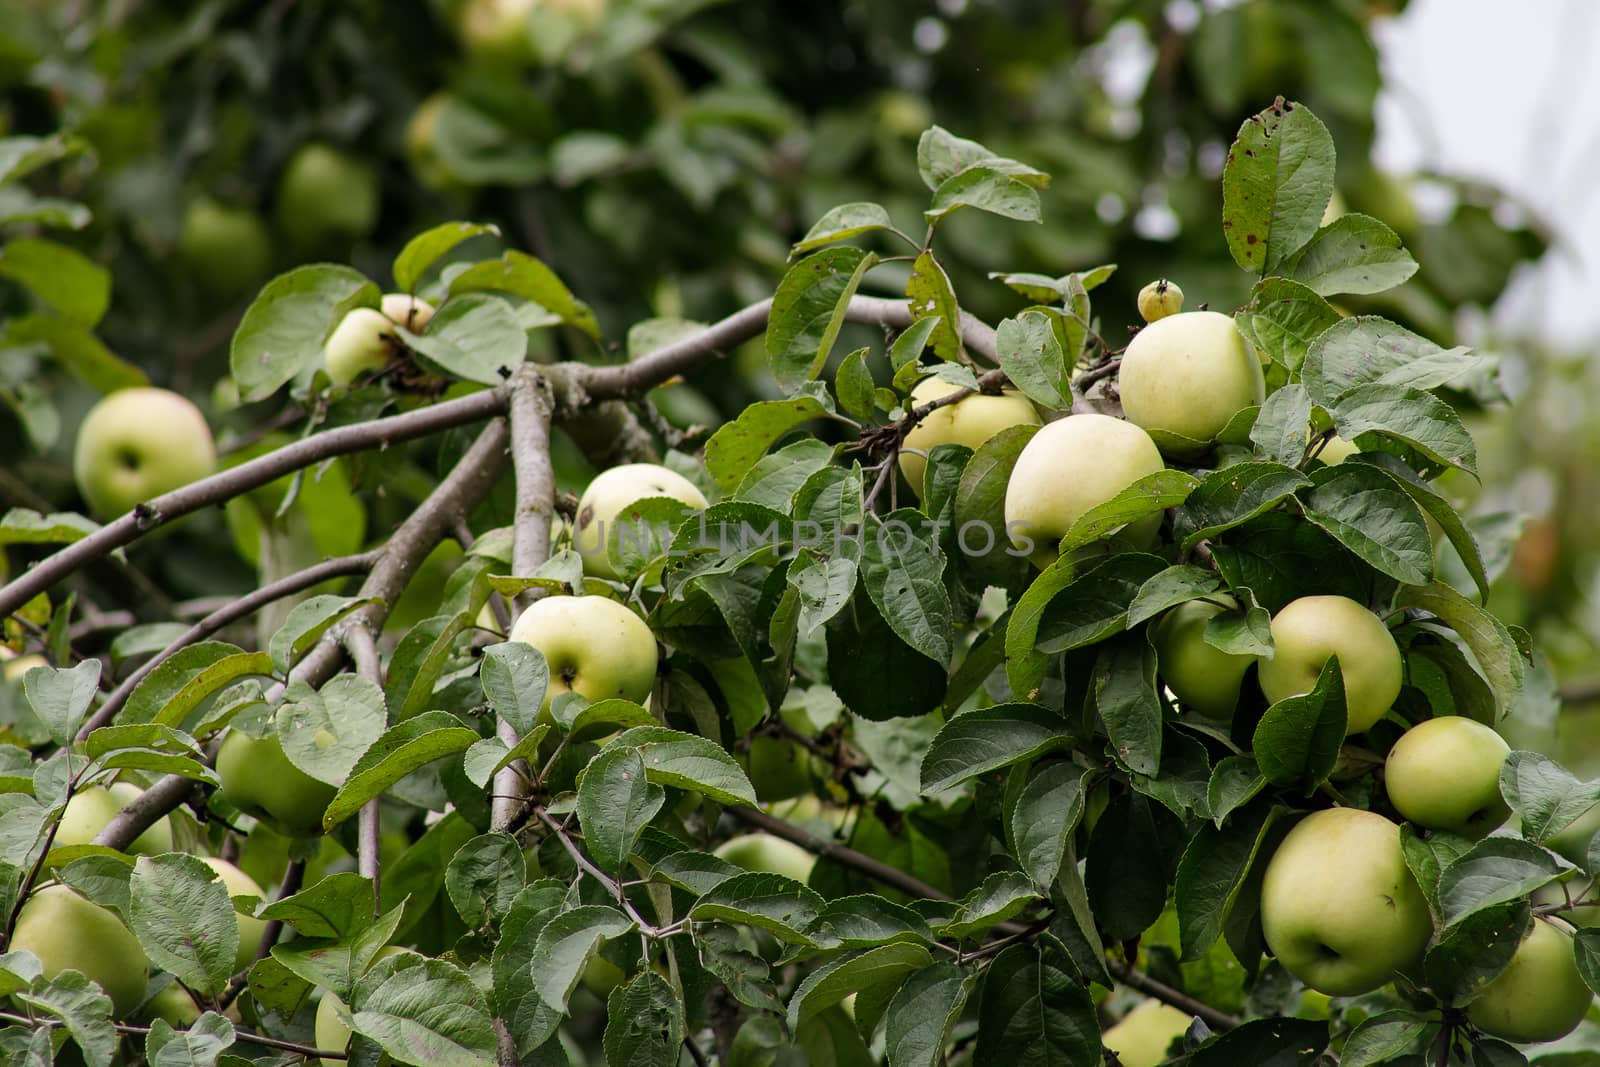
(1160, 299)
(409, 311)
(593, 646)
(1142, 1037)
(259, 780)
(1572, 840)
(1445, 774)
(1071, 466)
(1339, 907)
(326, 195)
(1309, 630)
(1202, 676)
(1189, 374)
(363, 342)
(70, 932)
(91, 809)
(604, 506)
(226, 249)
(241, 884)
(136, 444)
(970, 421)
(769, 855)
(1540, 996)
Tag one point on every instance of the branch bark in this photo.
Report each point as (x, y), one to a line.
(363, 652)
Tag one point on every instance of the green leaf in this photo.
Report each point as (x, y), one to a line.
(729, 953)
(1033, 359)
(1586, 947)
(184, 918)
(1153, 493)
(474, 337)
(522, 275)
(305, 625)
(1467, 955)
(1233, 496)
(1413, 416)
(988, 739)
(1369, 513)
(1129, 705)
(1546, 797)
(808, 310)
(1034, 1010)
(1440, 510)
(1275, 185)
(1166, 589)
(1352, 254)
(1002, 896)
(82, 1008)
(605, 717)
(1044, 817)
(989, 189)
(1125, 876)
(824, 587)
(1297, 740)
(908, 346)
(20, 156)
(517, 1001)
(684, 761)
(1283, 318)
(324, 733)
(841, 224)
(198, 1046)
(23, 526)
(866, 921)
(737, 445)
(930, 295)
(837, 979)
(941, 155)
(903, 573)
(515, 678)
(1087, 609)
(183, 681)
(422, 1010)
(282, 331)
(418, 661)
(1494, 871)
(74, 285)
(854, 386)
(60, 696)
(1491, 644)
(1213, 872)
(413, 744)
(1234, 781)
(921, 1013)
(781, 906)
(644, 1023)
(425, 249)
(1278, 1042)
(1364, 349)
(980, 507)
(565, 945)
(484, 878)
(1383, 1038)
(615, 803)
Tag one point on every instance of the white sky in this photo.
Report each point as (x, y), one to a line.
(1508, 92)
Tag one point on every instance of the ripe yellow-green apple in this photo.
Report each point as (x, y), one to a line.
(497, 29)
(1070, 466)
(1160, 299)
(1540, 996)
(593, 646)
(16, 666)
(70, 932)
(604, 506)
(1142, 1037)
(1444, 774)
(259, 780)
(409, 311)
(332, 1033)
(326, 195)
(1339, 907)
(136, 444)
(1202, 676)
(363, 342)
(1189, 374)
(422, 145)
(1309, 630)
(767, 854)
(970, 421)
(91, 809)
(1337, 450)
(250, 928)
(1572, 841)
(226, 249)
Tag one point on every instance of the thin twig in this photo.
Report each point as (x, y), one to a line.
(609, 884)
(1135, 979)
(841, 854)
(308, 1051)
(364, 654)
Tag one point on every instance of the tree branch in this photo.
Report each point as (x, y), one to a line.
(1135, 979)
(364, 654)
(245, 1036)
(232, 612)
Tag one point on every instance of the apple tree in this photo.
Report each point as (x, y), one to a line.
(994, 693)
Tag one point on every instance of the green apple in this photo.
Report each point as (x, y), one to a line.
(1142, 1037)
(70, 932)
(332, 1034)
(327, 196)
(600, 976)
(1339, 908)
(1336, 450)
(1445, 774)
(363, 342)
(422, 145)
(1203, 677)
(226, 249)
(251, 929)
(136, 444)
(258, 779)
(1189, 374)
(174, 1005)
(768, 854)
(497, 30)
(1070, 466)
(593, 646)
(91, 809)
(1540, 996)
(604, 505)
(1309, 630)
(409, 311)
(778, 767)
(1572, 841)
(969, 421)
(1160, 299)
